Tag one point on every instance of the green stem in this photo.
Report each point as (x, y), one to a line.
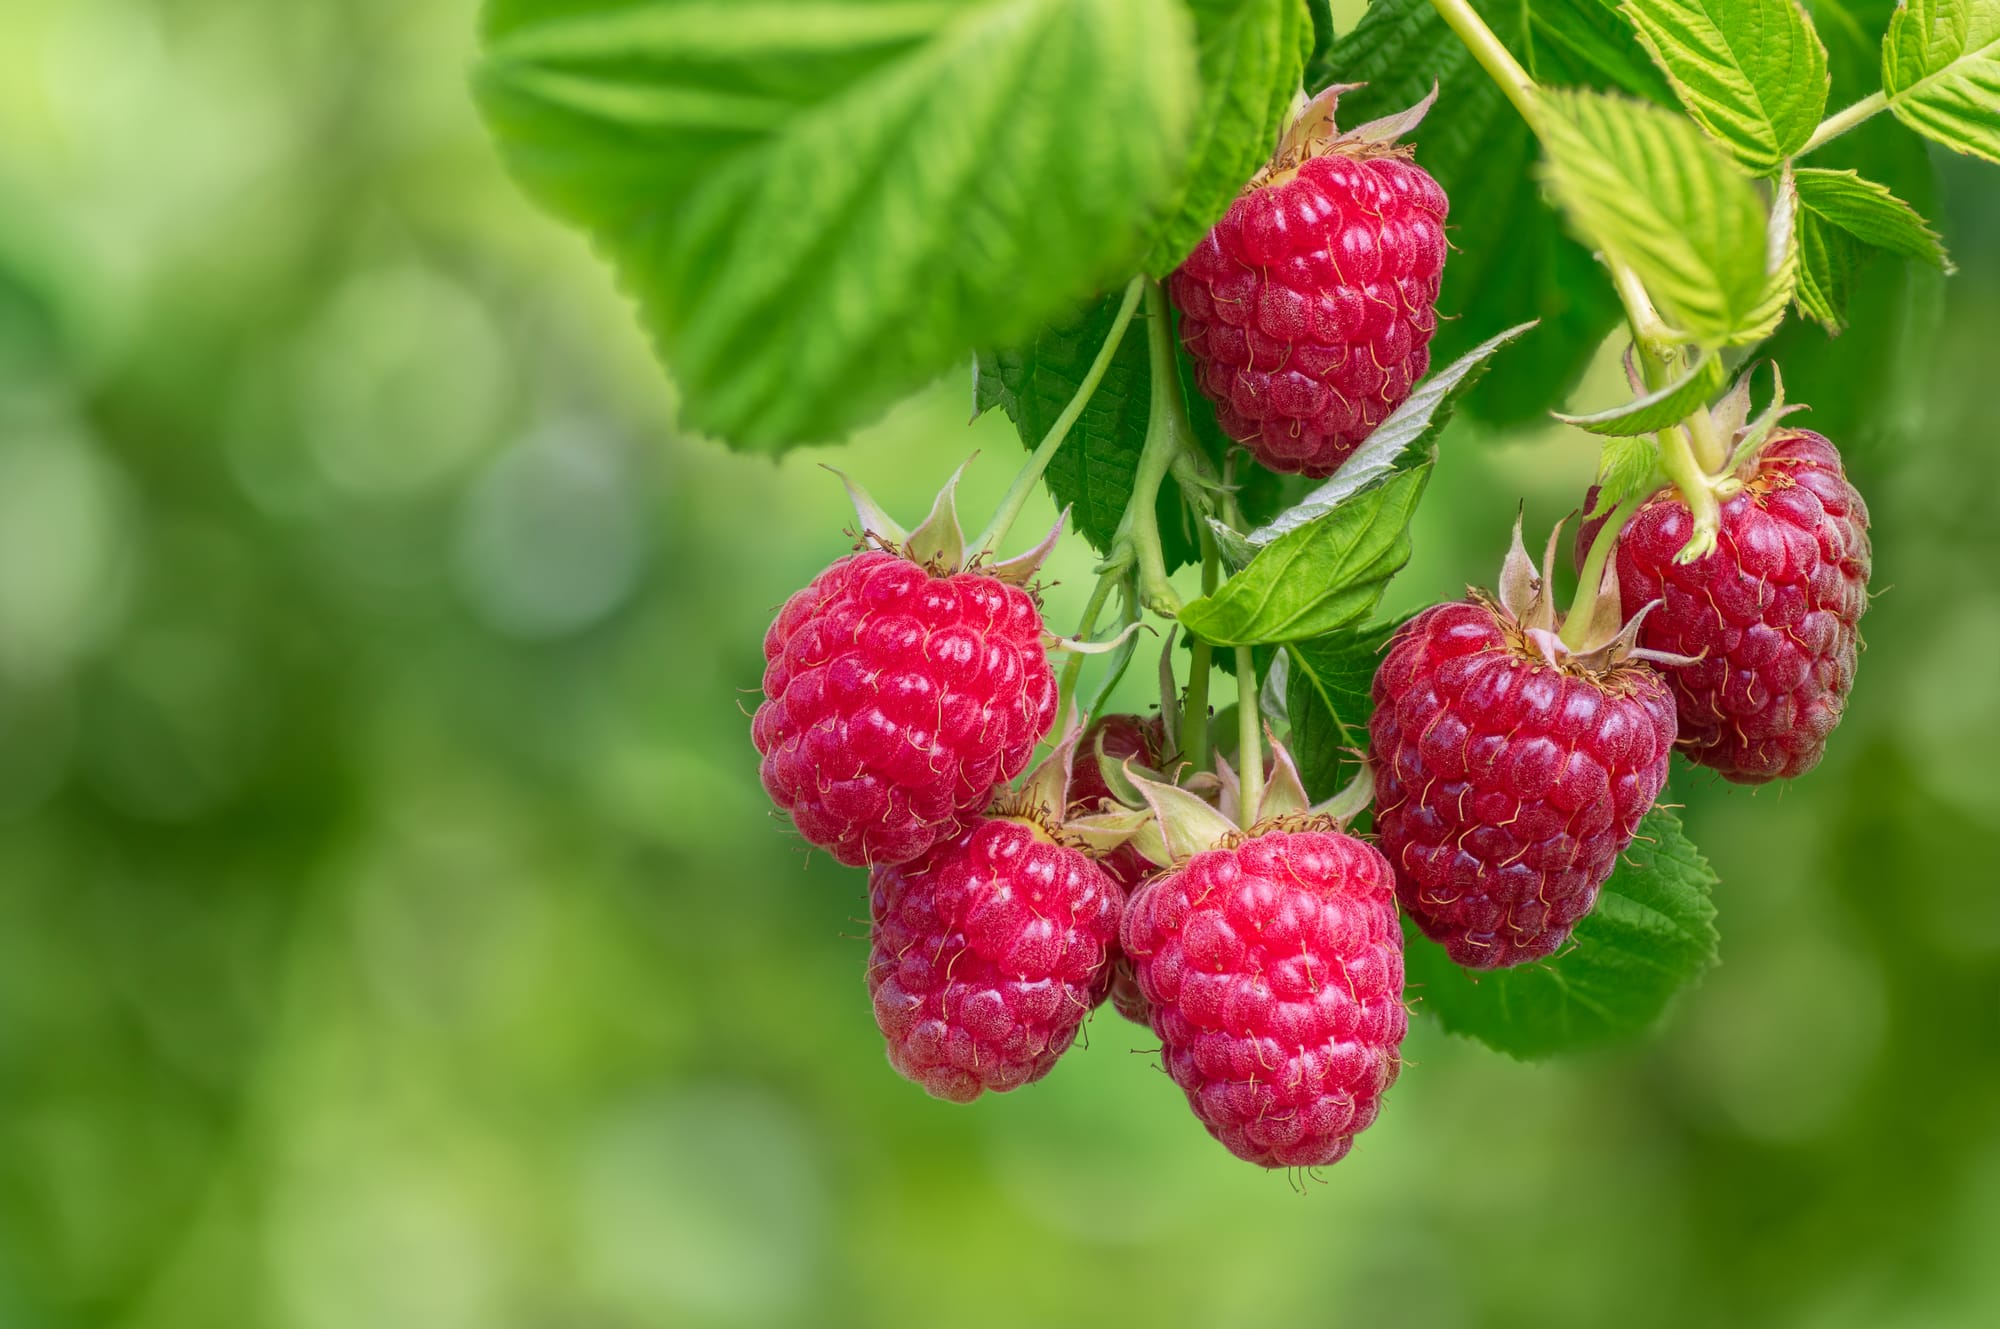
(1138, 538)
(1073, 667)
(1491, 53)
(1031, 474)
(1709, 451)
(1650, 333)
(1841, 121)
(1577, 626)
(1249, 737)
(1678, 461)
(1194, 711)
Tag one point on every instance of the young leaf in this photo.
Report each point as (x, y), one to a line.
(1627, 468)
(1751, 72)
(819, 210)
(1829, 258)
(1648, 188)
(1410, 429)
(1251, 53)
(1481, 152)
(1091, 473)
(1327, 687)
(1870, 213)
(1941, 69)
(1651, 935)
(1321, 577)
(1656, 410)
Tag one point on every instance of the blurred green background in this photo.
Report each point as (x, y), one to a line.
(393, 934)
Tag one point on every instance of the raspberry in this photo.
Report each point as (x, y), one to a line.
(896, 702)
(1308, 310)
(1275, 973)
(1119, 736)
(1506, 786)
(1773, 611)
(987, 952)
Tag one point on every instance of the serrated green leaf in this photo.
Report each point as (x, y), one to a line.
(1941, 70)
(1409, 431)
(1870, 213)
(1651, 936)
(1584, 43)
(1751, 72)
(1656, 410)
(1319, 578)
(1829, 258)
(1327, 695)
(1627, 468)
(1657, 195)
(819, 206)
(1092, 471)
(1251, 54)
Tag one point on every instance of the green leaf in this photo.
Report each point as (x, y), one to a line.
(1408, 433)
(1829, 260)
(1651, 935)
(1321, 577)
(1512, 260)
(1316, 74)
(1751, 72)
(1251, 54)
(1870, 213)
(1327, 693)
(1655, 194)
(1583, 43)
(1092, 471)
(1656, 410)
(821, 205)
(1627, 468)
(1941, 69)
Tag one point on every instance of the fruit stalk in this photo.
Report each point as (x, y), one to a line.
(1249, 738)
(1038, 462)
(1138, 539)
(1576, 627)
(1194, 711)
(1073, 667)
(1491, 53)
(1677, 459)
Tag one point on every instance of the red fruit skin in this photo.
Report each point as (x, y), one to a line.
(1774, 611)
(1308, 310)
(1506, 788)
(985, 955)
(896, 702)
(1120, 736)
(1275, 974)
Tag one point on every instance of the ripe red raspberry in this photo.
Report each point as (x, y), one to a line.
(1773, 611)
(1506, 786)
(1308, 310)
(1275, 973)
(987, 952)
(1118, 737)
(896, 702)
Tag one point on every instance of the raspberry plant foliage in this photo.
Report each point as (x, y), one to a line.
(818, 206)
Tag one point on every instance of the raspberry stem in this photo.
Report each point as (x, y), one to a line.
(1169, 447)
(1678, 461)
(1194, 711)
(1249, 739)
(1491, 53)
(1577, 625)
(1038, 461)
(1073, 667)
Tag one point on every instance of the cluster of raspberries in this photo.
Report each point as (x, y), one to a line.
(901, 698)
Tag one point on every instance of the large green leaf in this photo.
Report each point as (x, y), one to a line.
(1752, 72)
(1870, 213)
(1252, 53)
(1658, 196)
(1327, 695)
(819, 205)
(1512, 260)
(1091, 473)
(1651, 935)
(1324, 576)
(1941, 69)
